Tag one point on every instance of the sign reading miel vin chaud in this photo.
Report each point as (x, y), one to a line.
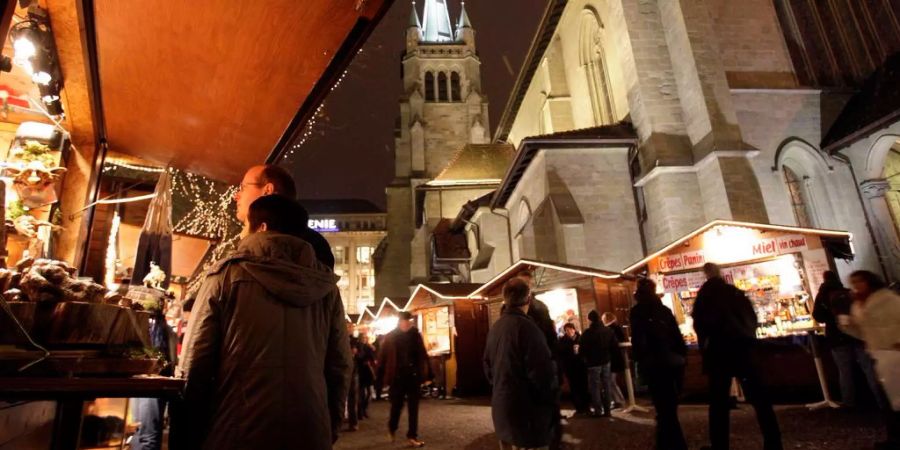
(757, 249)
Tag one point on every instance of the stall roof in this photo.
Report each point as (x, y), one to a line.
(214, 89)
(367, 316)
(844, 236)
(430, 294)
(524, 264)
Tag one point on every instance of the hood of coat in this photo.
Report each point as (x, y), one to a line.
(285, 266)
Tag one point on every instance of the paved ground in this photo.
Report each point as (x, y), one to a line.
(466, 424)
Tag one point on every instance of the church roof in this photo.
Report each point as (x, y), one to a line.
(876, 105)
(478, 162)
(437, 27)
(464, 21)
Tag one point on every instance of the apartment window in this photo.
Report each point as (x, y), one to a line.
(339, 255)
(364, 254)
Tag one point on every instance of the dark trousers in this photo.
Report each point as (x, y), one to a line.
(720, 377)
(404, 388)
(365, 391)
(665, 387)
(578, 385)
(353, 401)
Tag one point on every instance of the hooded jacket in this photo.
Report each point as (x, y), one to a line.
(266, 359)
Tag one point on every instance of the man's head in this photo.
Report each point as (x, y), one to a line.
(570, 330)
(277, 214)
(516, 294)
(404, 322)
(593, 316)
(712, 271)
(608, 318)
(528, 277)
(260, 181)
(865, 283)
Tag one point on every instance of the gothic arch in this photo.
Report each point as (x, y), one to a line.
(878, 154)
(429, 87)
(805, 174)
(592, 58)
(455, 87)
(443, 87)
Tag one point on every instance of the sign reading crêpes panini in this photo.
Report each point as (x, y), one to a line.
(726, 251)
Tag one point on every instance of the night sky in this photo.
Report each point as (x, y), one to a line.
(351, 153)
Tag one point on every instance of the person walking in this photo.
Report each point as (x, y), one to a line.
(352, 410)
(518, 364)
(834, 300)
(875, 318)
(406, 368)
(597, 345)
(365, 361)
(573, 366)
(725, 323)
(660, 352)
(266, 358)
(617, 363)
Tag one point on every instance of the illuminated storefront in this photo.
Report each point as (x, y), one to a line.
(780, 269)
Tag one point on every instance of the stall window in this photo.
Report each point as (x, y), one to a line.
(798, 198)
(364, 254)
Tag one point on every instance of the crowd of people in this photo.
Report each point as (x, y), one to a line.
(269, 356)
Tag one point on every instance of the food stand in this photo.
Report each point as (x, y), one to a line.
(454, 329)
(142, 85)
(779, 267)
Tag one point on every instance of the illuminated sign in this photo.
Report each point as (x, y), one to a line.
(325, 225)
(732, 246)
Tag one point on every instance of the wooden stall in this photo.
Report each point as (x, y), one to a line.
(779, 267)
(454, 328)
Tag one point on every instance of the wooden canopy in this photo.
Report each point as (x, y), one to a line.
(208, 87)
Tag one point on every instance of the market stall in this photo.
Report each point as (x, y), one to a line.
(780, 268)
(99, 102)
(454, 328)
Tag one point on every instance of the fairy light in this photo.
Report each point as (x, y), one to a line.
(112, 254)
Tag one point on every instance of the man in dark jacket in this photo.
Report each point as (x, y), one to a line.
(725, 322)
(848, 352)
(266, 357)
(660, 352)
(518, 365)
(573, 366)
(406, 368)
(597, 345)
(617, 364)
(260, 181)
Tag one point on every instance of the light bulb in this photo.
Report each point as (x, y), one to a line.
(41, 78)
(24, 48)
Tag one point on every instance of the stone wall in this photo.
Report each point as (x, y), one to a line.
(392, 270)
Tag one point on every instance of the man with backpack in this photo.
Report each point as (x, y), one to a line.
(725, 322)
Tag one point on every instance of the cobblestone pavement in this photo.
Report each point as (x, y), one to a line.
(466, 424)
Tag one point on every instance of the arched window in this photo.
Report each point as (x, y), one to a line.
(429, 87)
(593, 61)
(797, 191)
(442, 87)
(455, 94)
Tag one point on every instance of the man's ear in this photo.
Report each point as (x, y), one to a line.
(268, 189)
(263, 227)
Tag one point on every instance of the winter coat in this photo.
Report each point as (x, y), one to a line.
(569, 360)
(365, 362)
(877, 323)
(657, 342)
(518, 365)
(833, 300)
(725, 322)
(617, 359)
(597, 345)
(388, 357)
(266, 359)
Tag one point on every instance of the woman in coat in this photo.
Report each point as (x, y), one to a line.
(875, 318)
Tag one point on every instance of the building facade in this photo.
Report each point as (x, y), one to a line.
(636, 123)
(443, 154)
(355, 229)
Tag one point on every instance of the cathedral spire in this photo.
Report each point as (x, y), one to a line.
(463, 19)
(437, 22)
(414, 17)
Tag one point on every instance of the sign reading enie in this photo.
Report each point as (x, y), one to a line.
(323, 224)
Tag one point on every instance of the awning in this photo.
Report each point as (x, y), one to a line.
(213, 88)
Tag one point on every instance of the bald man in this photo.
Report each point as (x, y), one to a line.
(260, 181)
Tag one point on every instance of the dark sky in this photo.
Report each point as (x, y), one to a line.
(350, 154)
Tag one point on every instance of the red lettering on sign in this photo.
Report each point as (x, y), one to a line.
(765, 248)
(693, 260)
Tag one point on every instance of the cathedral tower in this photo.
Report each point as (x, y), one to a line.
(441, 111)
